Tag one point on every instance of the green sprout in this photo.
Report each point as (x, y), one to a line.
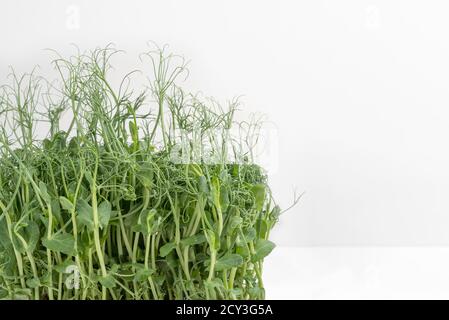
(124, 203)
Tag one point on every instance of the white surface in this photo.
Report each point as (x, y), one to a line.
(357, 273)
(358, 89)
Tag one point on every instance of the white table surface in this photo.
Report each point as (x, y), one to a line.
(357, 273)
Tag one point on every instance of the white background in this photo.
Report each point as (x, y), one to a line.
(359, 92)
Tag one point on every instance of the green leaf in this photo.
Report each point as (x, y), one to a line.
(193, 240)
(139, 228)
(88, 176)
(262, 249)
(143, 274)
(263, 228)
(33, 283)
(43, 192)
(202, 185)
(145, 175)
(215, 188)
(9, 268)
(108, 281)
(172, 260)
(31, 235)
(63, 242)
(115, 267)
(46, 143)
(214, 283)
(66, 204)
(233, 223)
(258, 191)
(85, 215)
(236, 292)
(5, 241)
(144, 223)
(228, 261)
(212, 239)
(243, 251)
(258, 293)
(235, 170)
(56, 209)
(74, 146)
(166, 249)
(104, 213)
(85, 241)
(159, 279)
(224, 199)
(3, 294)
(276, 212)
(250, 234)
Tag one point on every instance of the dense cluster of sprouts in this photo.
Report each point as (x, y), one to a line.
(121, 201)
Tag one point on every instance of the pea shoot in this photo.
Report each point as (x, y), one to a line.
(141, 196)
